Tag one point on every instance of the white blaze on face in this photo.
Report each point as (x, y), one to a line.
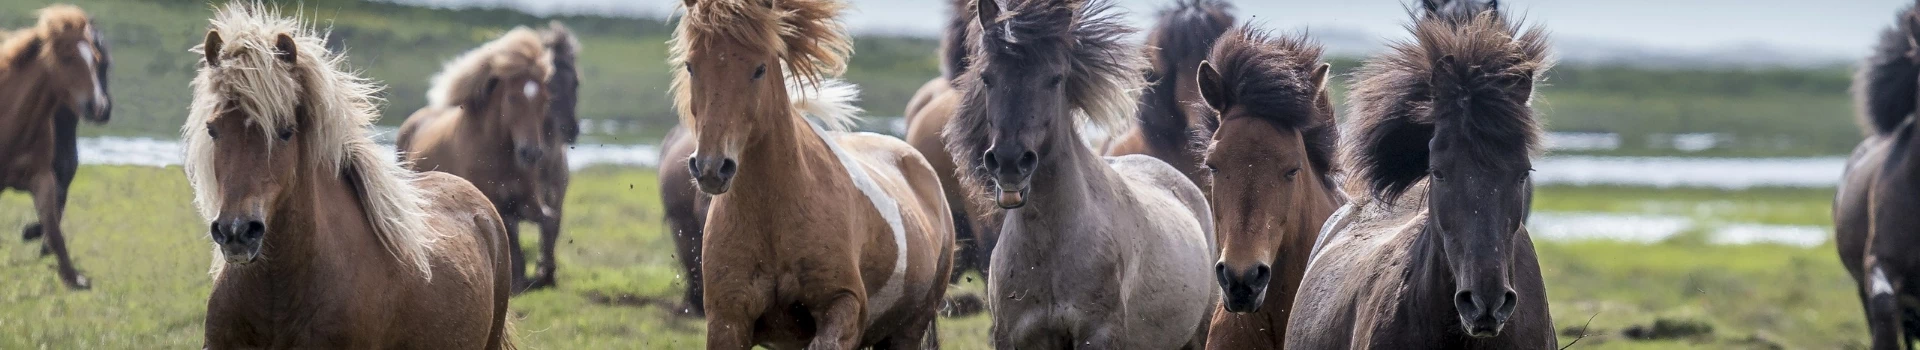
(99, 89)
(530, 89)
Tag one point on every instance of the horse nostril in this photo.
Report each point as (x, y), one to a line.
(693, 166)
(1028, 160)
(727, 167)
(1261, 273)
(218, 235)
(993, 163)
(1507, 304)
(1465, 303)
(255, 229)
(1220, 272)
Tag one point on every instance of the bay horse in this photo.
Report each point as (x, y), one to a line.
(1873, 205)
(816, 238)
(1172, 115)
(1433, 252)
(486, 121)
(976, 224)
(51, 76)
(1094, 253)
(321, 239)
(1271, 162)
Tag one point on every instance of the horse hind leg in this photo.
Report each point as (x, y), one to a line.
(50, 199)
(1883, 311)
(549, 233)
(516, 257)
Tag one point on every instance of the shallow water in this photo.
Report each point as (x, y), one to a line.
(1655, 228)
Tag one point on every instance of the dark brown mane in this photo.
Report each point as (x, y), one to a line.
(1459, 75)
(1183, 37)
(1101, 84)
(1884, 87)
(953, 47)
(1270, 77)
(564, 83)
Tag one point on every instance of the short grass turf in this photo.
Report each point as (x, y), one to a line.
(133, 231)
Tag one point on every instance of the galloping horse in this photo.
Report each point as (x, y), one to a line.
(1433, 252)
(1872, 213)
(1271, 162)
(976, 225)
(1171, 115)
(486, 121)
(321, 239)
(816, 238)
(51, 76)
(1095, 253)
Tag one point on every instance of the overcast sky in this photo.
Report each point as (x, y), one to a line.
(1833, 28)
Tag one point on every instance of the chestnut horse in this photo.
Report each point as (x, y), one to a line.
(486, 121)
(51, 76)
(1171, 115)
(1872, 213)
(816, 238)
(976, 227)
(1433, 253)
(1094, 253)
(1271, 162)
(321, 239)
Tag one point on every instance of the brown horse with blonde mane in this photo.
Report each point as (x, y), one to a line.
(816, 238)
(1272, 165)
(51, 76)
(486, 121)
(321, 239)
(1172, 116)
(1434, 253)
(1100, 253)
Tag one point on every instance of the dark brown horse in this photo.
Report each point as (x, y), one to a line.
(1171, 113)
(51, 76)
(322, 239)
(1433, 253)
(816, 238)
(487, 122)
(1873, 211)
(1272, 166)
(1095, 253)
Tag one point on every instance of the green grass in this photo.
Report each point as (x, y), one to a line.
(133, 231)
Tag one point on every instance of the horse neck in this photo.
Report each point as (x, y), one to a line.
(25, 91)
(778, 149)
(1315, 205)
(1067, 180)
(1429, 296)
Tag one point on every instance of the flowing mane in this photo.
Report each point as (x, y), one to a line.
(521, 50)
(1885, 86)
(1470, 66)
(806, 34)
(340, 105)
(1271, 77)
(1184, 36)
(54, 20)
(1103, 81)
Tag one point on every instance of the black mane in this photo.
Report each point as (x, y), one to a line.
(1475, 77)
(1884, 87)
(953, 45)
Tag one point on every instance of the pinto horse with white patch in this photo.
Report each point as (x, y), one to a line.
(816, 238)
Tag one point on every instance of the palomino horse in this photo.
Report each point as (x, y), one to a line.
(486, 121)
(51, 76)
(322, 239)
(1872, 213)
(976, 226)
(1095, 253)
(1171, 115)
(816, 238)
(1271, 162)
(1433, 252)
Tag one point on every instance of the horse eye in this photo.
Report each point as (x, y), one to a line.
(760, 72)
(1212, 169)
(286, 134)
(1437, 175)
(689, 71)
(1293, 173)
(985, 81)
(210, 133)
(1057, 79)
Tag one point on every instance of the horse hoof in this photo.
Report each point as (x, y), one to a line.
(78, 282)
(32, 232)
(45, 250)
(541, 282)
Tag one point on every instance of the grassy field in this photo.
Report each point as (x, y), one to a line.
(133, 232)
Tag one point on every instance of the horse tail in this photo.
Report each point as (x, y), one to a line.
(1884, 87)
(506, 334)
(953, 46)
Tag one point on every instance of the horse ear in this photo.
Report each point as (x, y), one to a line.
(1211, 89)
(989, 11)
(212, 48)
(1319, 77)
(688, 3)
(285, 48)
(1913, 35)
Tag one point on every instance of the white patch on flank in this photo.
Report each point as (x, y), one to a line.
(1877, 283)
(530, 89)
(891, 291)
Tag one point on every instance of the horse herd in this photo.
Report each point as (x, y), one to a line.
(1192, 191)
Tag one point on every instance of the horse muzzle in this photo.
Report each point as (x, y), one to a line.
(239, 239)
(1244, 290)
(1484, 315)
(714, 175)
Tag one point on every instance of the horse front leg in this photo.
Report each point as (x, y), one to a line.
(50, 200)
(1883, 310)
(516, 257)
(543, 275)
(839, 321)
